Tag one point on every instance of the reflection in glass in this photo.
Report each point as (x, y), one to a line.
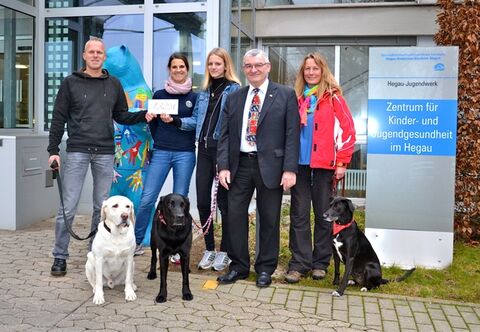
(16, 69)
(177, 1)
(354, 82)
(319, 2)
(28, 2)
(286, 61)
(89, 3)
(65, 38)
(180, 32)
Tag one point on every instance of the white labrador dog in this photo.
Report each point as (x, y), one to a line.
(111, 260)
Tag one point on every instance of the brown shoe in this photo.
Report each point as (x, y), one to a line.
(318, 274)
(293, 277)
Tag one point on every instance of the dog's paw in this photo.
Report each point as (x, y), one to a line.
(336, 294)
(161, 298)
(364, 289)
(98, 298)
(152, 275)
(130, 295)
(351, 282)
(187, 296)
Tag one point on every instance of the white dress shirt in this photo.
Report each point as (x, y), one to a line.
(244, 144)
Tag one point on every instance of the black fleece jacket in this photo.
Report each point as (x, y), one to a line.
(87, 105)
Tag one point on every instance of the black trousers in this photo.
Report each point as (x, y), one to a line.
(205, 175)
(269, 201)
(313, 186)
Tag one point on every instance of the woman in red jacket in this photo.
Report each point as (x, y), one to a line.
(327, 139)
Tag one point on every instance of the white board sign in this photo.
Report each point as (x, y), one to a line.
(163, 106)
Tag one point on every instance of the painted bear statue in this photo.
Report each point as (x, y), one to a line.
(132, 142)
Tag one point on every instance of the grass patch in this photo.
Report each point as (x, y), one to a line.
(459, 282)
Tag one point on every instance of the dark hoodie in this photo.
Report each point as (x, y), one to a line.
(87, 105)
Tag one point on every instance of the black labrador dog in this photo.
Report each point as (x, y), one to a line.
(351, 246)
(171, 234)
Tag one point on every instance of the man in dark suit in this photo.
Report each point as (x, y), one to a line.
(257, 150)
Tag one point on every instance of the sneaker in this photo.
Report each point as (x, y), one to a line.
(59, 267)
(222, 261)
(318, 274)
(207, 260)
(293, 277)
(139, 250)
(175, 259)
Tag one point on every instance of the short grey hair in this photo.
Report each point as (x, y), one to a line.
(254, 52)
(96, 39)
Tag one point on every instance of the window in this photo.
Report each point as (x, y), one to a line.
(178, 32)
(16, 86)
(65, 38)
(89, 3)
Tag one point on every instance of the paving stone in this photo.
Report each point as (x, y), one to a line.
(295, 295)
(407, 323)
(291, 304)
(417, 306)
(388, 314)
(391, 326)
(422, 318)
(425, 328)
(386, 304)
(403, 311)
(372, 319)
(474, 327)
(441, 325)
(470, 317)
(457, 322)
(436, 314)
(372, 307)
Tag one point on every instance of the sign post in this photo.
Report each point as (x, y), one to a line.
(412, 125)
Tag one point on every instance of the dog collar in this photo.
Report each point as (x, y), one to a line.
(107, 228)
(162, 220)
(337, 228)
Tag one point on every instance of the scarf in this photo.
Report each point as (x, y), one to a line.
(178, 88)
(337, 228)
(308, 104)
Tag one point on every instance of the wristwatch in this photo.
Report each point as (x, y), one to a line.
(340, 164)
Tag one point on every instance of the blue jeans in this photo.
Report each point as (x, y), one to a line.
(73, 171)
(182, 163)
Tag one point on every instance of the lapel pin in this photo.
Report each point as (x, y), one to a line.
(270, 96)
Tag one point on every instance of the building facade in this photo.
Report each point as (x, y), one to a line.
(41, 42)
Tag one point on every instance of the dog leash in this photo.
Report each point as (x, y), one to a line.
(335, 182)
(213, 208)
(56, 175)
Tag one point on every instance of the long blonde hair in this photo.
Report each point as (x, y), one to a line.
(327, 80)
(229, 69)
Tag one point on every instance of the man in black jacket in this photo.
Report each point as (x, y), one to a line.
(88, 101)
(257, 150)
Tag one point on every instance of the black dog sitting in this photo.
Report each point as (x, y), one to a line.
(352, 247)
(171, 234)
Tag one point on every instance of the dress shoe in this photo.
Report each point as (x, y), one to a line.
(59, 267)
(231, 277)
(263, 279)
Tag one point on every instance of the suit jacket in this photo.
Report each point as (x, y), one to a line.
(278, 134)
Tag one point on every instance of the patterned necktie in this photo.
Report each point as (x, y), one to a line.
(253, 115)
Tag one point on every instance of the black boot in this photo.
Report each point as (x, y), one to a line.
(59, 267)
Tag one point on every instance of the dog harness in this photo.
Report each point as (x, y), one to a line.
(337, 228)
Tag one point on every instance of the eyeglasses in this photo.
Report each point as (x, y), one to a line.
(249, 66)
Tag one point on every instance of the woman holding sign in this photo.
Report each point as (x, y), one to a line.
(327, 138)
(173, 148)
